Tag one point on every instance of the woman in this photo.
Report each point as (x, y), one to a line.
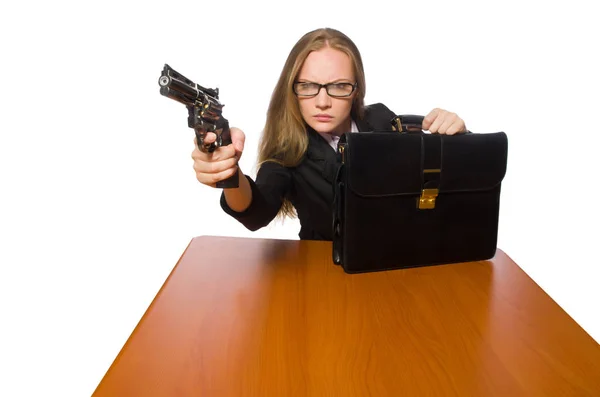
(319, 97)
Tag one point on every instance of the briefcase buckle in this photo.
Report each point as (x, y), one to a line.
(407, 123)
(427, 199)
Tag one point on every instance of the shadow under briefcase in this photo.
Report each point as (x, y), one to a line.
(407, 198)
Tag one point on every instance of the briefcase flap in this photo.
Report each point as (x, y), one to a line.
(389, 163)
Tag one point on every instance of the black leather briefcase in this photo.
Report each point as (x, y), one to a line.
(406, 198)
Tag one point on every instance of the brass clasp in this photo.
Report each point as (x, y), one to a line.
(398, 125)
(427, 199)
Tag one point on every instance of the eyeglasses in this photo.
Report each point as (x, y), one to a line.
(336, 90)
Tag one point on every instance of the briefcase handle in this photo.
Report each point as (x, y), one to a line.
(406, 123)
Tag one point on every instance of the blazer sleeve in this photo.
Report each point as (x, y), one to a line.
(272, 184)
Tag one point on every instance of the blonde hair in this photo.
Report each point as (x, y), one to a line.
(284, 139)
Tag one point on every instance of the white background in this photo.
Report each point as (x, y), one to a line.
(98, 195)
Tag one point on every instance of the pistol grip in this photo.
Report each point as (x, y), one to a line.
(225, 134)
(231, 182)
(225, 139)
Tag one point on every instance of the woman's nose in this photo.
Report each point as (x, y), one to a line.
(323, 100)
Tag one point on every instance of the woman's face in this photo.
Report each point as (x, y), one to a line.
(324, 113)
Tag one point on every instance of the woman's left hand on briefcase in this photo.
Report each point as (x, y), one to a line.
(441, 121)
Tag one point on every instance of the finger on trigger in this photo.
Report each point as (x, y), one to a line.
(210, 137)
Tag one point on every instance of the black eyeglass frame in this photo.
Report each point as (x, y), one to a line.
(354, 87)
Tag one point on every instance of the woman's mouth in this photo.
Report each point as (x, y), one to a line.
(323, 118)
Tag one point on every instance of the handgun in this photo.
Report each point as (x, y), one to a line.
(204, 113)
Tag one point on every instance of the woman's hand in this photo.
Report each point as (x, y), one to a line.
(222, 163)
(441, 121)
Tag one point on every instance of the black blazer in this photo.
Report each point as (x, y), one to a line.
(309, 186)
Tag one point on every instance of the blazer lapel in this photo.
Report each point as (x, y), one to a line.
(322, 154)
(363, 125)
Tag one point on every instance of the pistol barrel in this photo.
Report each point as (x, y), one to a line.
(175, 85)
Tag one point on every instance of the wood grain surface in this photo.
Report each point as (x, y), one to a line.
(259, 317)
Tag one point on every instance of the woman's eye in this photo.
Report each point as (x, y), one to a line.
(340, 86)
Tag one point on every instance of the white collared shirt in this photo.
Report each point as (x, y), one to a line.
(334, 139)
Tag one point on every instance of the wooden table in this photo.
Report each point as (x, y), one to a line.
(254, 317)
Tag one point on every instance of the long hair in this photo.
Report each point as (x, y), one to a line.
(284, 139)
